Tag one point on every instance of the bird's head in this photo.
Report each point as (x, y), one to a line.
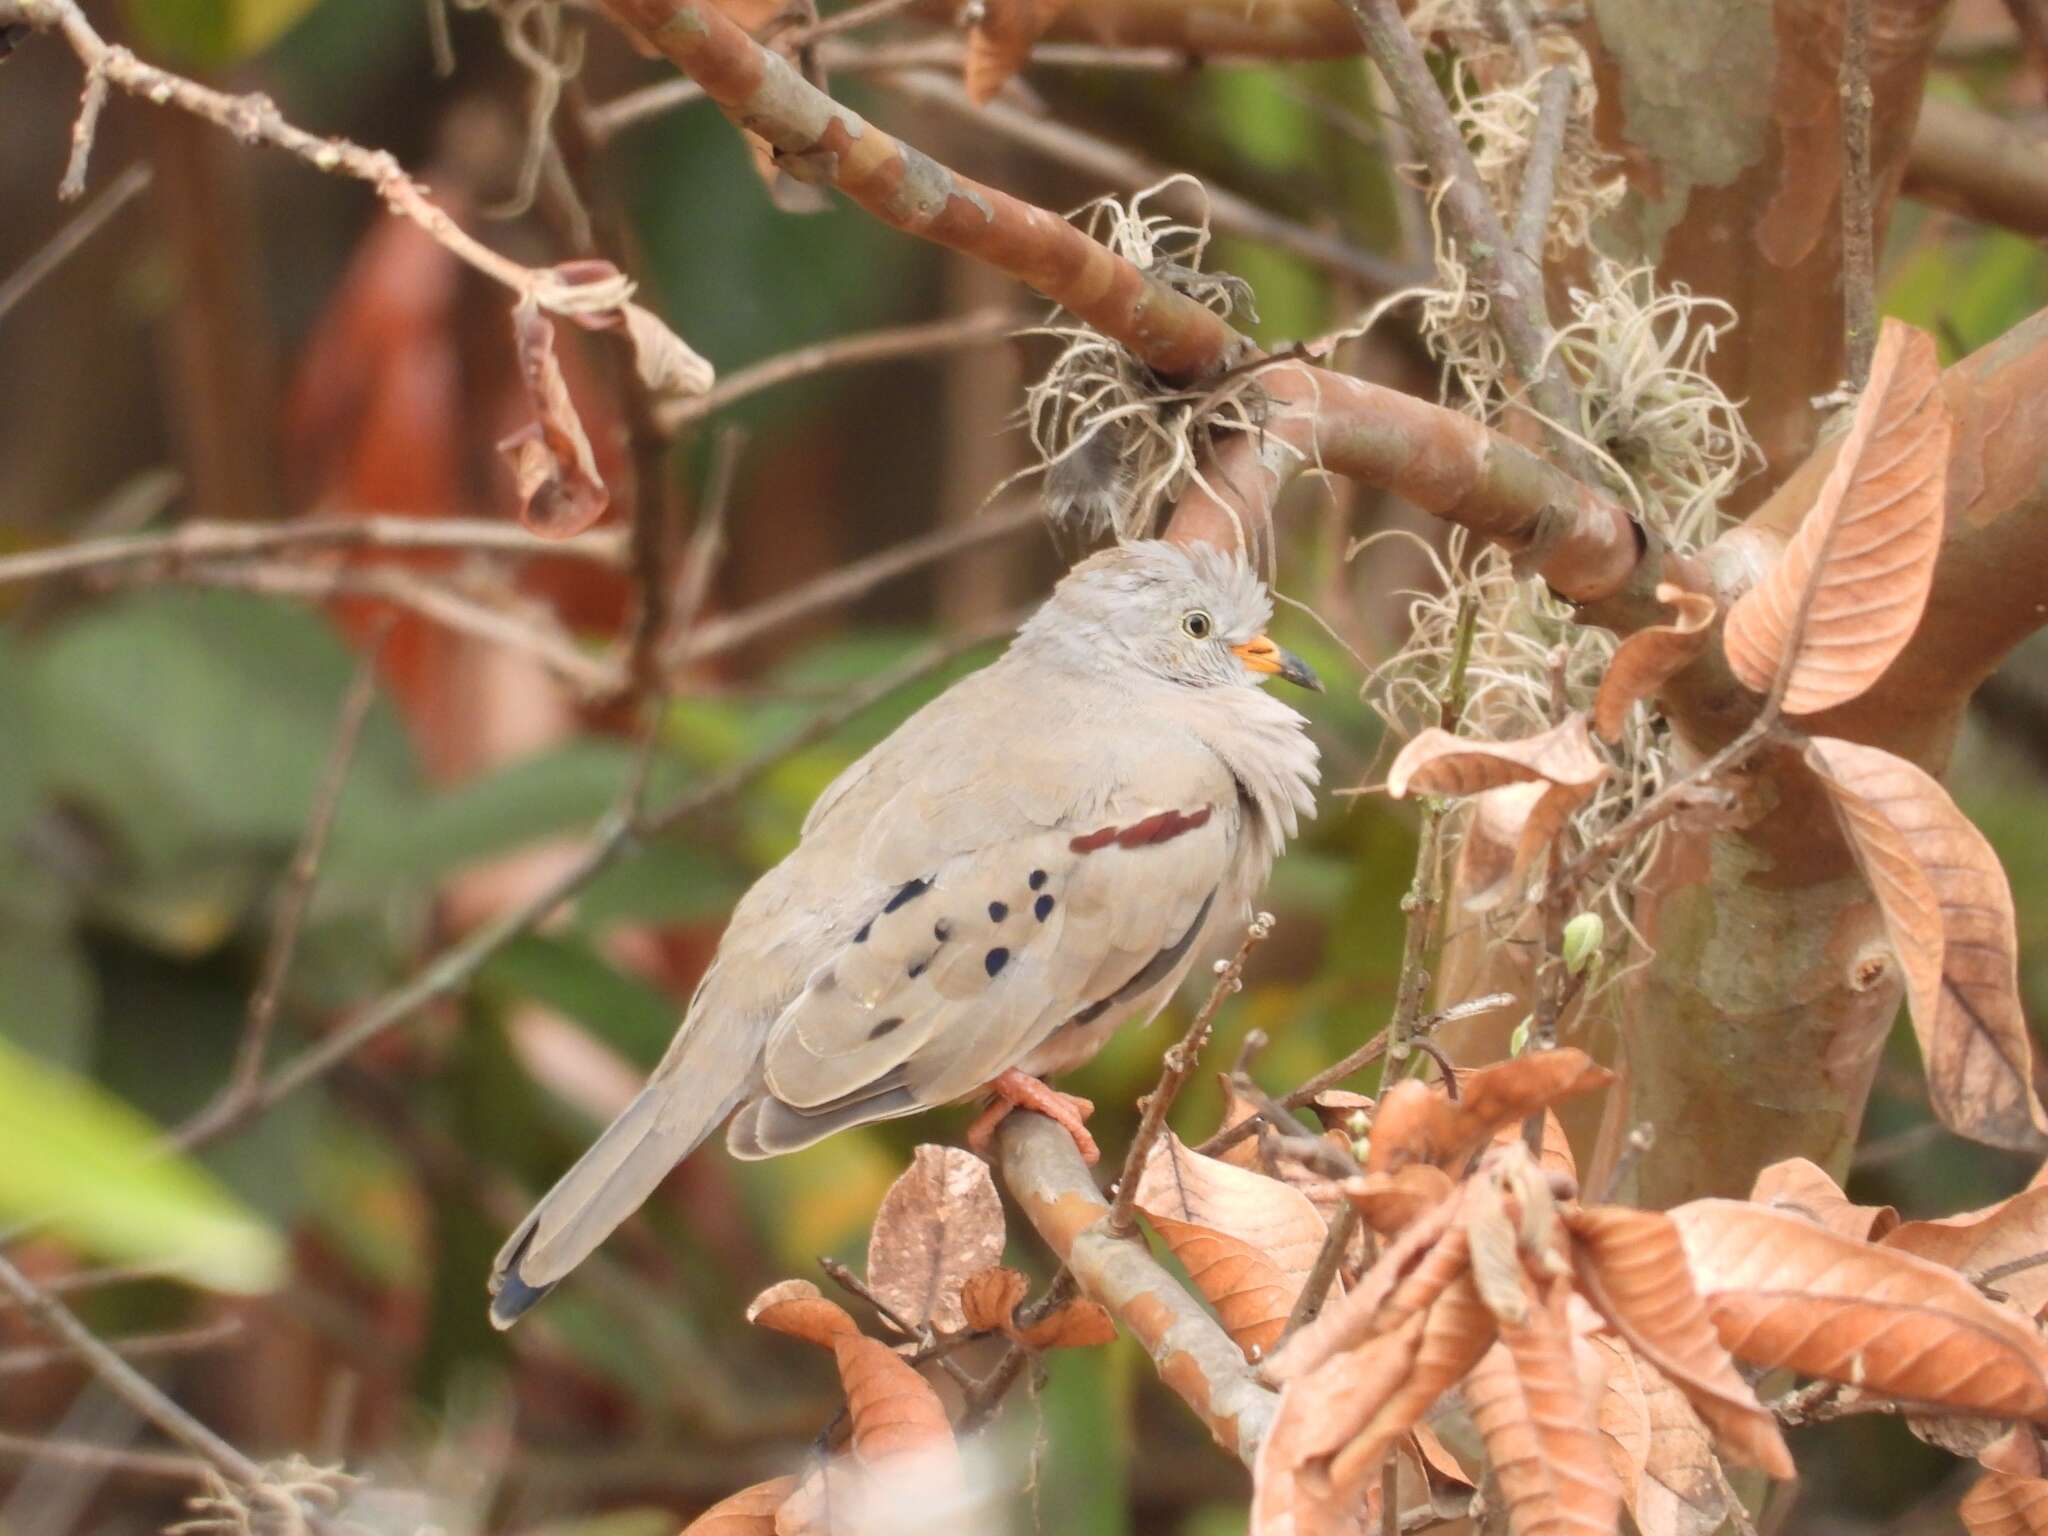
(1191, 614)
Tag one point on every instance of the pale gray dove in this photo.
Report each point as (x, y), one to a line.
(1029, 861)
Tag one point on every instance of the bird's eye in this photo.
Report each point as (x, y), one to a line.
(1198, 625)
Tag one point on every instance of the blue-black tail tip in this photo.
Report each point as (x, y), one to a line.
(514, 1298)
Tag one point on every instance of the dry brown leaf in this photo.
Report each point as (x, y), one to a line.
(1390, 1201)
(1495, 1251)
(799, 1309)
(1866, 548)
(1784, 1292)
(555, 471)
(1949, 914)
(1542, 1441)
(1657, 1446)
(1420, 1123)
(1247, 1241)
(2000, 1234)
(1556, 1157)
(1000, 43)
(1423, 1259)
(1650, 658)
(2011, 1498)
(750, 1512)
(940, 1224)
(1336, 1107)
(1236, 1110)
(990, 1301)
(1805, 1189)
(894, 1410)
(1526, 791)
(1438, 763)
(1633, 1269)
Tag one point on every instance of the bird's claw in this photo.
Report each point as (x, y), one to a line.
(1016, 1090)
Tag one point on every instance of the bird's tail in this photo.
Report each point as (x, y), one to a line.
(660, 1128)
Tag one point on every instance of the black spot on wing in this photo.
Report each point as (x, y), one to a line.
(942, 930)
(908, 892)
(1150, 973)
(997, 911)
(862, 936)
(917, 968)
(1042, 908)
(995, 960)
(1037, 879)
(887, 1026)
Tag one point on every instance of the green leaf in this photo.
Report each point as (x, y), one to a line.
(212, 33)
(625, 1012)
(87, 1164)
(186, 721)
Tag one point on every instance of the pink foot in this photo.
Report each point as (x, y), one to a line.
(1014, 1090)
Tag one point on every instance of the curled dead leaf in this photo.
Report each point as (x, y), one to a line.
(1542, 1440)
(1670, 1483)
(799, 1309)
(1805, 1189)
(1650, 658)
(2011, 1497)
(1390, 1201)
(999, 44)
(1420, 1123)
(1632, 1267)
(1949, 915)
(750, 1512)
(940, 1224)
(553, 466)
(2010, 1232)
(1784, 1292)
(1866, 549)
(991, 1298)
(1247, 1241)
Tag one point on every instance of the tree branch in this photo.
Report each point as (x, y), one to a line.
(1980, 166)
(1191, 1352)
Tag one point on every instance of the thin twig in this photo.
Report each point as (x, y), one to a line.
(1641, 1137)
(1176, 1066)
(103, 1458)
(297, 895)
(1227, 212)
(1390, 1504)
(124, 1381)
(205, 541)
(721, 636)
(1513, 285)
(61, 246)
(140, 1346)
(976, 328)
(1539, 166)
(1323, 1273)
(1357, 1061)
(1859, 249)
(851, 1283)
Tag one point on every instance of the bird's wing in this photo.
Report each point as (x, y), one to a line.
(967, 964)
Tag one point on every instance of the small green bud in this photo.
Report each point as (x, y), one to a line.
(1358, 1124)
(1584, 937)
(1518, 1042)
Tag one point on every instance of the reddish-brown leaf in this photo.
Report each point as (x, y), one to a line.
(990, 1300)
(1650, 658)
(1865, 550)
(1657, 1446)
(1784, 1292)
(2011, 1498)
(750, 1512)
(1415, 1267)
(1390, 1201)
(940, 1223)
(1556, 1157)
(1632, 1267)
(1525, 790)
(1438, 763)
(1542, 1441)
(1805, 1189)
(1247, 1241)
(2001, 1234)
(1420, 1123)
(560, 493)
(893, 1409)
(1949, 914)
(1000, 43)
